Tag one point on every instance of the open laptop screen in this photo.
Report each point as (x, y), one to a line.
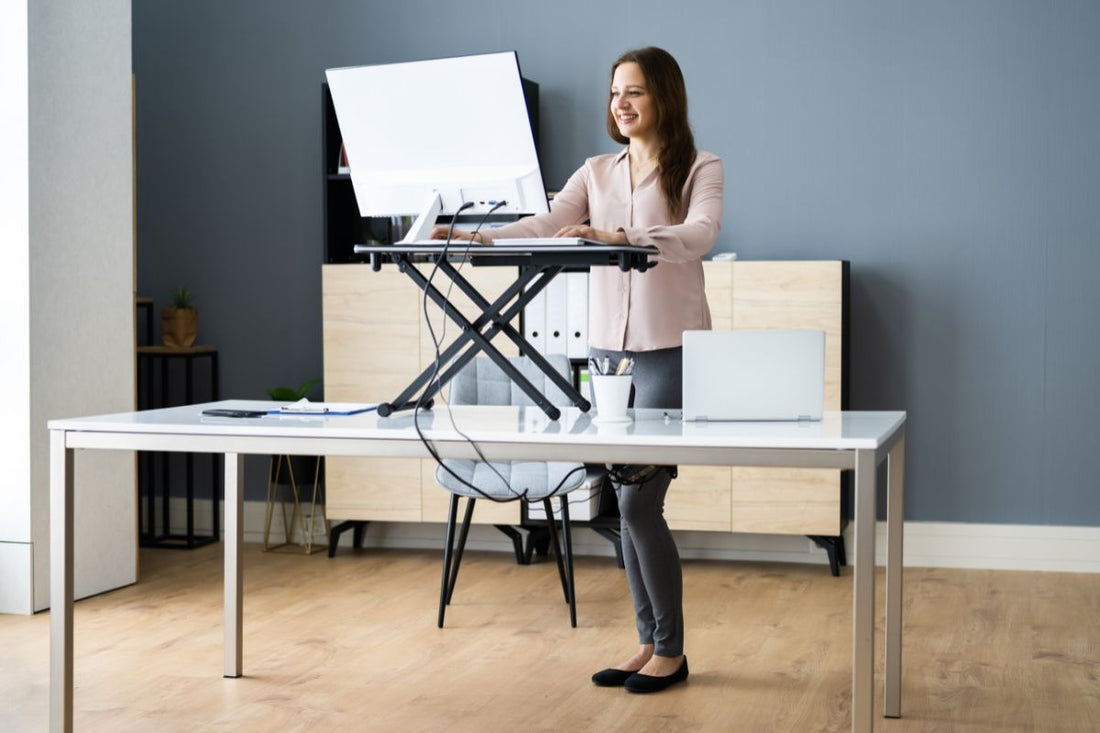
(754, 375)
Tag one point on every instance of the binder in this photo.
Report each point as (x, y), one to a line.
(577, 315)
(557, 325)
(534, 322)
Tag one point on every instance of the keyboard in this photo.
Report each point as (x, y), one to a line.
(543, 242)
(509, 242)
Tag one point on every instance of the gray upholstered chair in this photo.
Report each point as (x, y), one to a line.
(482, 382)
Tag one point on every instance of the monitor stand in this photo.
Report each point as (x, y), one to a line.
(421, 229)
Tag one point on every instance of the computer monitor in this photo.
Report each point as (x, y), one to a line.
(427, 137)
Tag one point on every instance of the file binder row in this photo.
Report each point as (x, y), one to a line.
(556, 321)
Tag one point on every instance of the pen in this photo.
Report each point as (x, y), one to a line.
(624, 364)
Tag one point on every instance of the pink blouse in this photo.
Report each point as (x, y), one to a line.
(639, 311)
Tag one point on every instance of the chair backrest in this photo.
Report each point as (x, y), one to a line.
(482, 382)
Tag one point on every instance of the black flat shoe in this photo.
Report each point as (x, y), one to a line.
(639, 682)
(611, 677)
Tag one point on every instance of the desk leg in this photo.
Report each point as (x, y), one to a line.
(234, 581)
(895, 533)
(863, 603)
(61, 584)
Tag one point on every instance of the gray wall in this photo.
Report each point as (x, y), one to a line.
(948, 149)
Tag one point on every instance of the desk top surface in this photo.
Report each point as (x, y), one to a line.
(623, 256)
(836, 431)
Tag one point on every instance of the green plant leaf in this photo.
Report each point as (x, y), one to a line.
(181, 298)
(282, 394)
(306, 386)
(289, 394)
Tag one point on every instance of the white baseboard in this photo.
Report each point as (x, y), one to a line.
(927, 544)
(995, 546)
(16, 577)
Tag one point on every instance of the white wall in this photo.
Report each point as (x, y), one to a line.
(15, 527)
(66, 291)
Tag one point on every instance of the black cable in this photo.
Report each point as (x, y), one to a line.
(436, 343)
(435, 374)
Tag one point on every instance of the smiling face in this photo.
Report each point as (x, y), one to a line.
(632, 105)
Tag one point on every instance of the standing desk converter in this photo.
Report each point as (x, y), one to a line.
(846, 440)
(537, 266)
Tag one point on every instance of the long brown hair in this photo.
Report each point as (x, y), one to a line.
(665, 82)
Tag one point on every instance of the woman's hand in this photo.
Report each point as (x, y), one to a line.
(440, 232)
(597, 235)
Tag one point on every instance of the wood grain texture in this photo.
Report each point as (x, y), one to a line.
(785, 501)
(795, 295)
(718, 285)
(371, 334)
(799, 295)
(699, 499)
(376, 342)
(351, 644)
(768, 295)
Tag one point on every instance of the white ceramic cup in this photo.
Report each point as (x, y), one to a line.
(612, 393)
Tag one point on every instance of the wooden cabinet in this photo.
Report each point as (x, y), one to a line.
(375, 343)
(771, 295)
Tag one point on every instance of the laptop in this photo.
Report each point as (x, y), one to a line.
(754, 375)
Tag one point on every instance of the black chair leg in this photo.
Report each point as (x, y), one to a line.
(567, 541)
(447, 548)
(552, 526)
(461, 546)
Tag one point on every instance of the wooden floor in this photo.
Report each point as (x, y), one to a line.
(350, 644)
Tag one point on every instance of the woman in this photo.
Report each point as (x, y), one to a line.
(659, 191)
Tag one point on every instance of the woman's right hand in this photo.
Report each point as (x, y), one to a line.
(440, 232)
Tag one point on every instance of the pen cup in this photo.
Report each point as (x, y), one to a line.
(611, 393)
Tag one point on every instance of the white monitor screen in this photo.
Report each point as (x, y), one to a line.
(454, 127)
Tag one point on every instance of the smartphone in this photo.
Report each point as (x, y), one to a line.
(220, 412)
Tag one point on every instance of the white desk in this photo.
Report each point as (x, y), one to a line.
(848, 440)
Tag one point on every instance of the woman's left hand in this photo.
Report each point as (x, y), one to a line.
(586, 232)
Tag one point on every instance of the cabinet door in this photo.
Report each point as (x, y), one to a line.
(774, 295)
(371, 348)
(699, 498)
(490, 282)
(795, 295)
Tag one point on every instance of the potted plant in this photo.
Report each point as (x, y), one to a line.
(289, 394)
(295, 473)
(179, 322)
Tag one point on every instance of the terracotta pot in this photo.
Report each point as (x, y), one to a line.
(179, 327)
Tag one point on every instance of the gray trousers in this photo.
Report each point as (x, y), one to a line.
(649, 551)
